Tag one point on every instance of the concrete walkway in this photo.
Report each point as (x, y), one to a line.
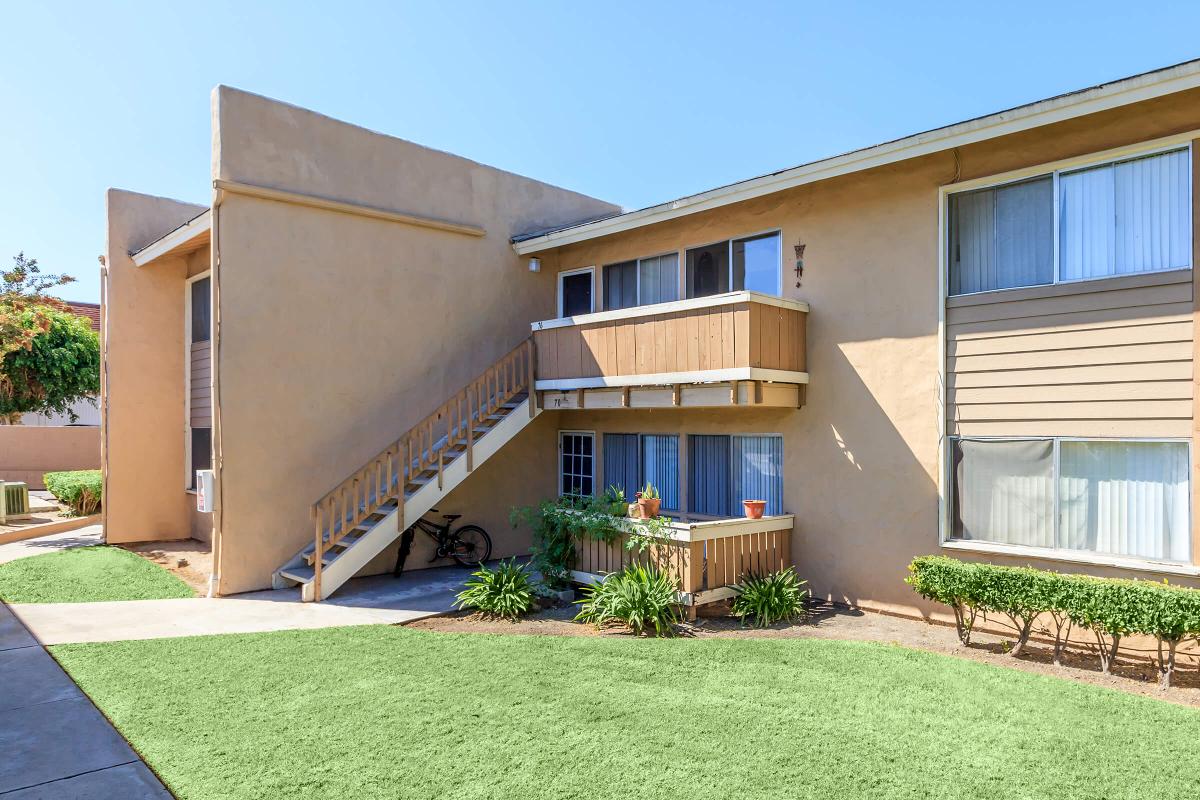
(55, 743)
(379, 600)
(83, 537)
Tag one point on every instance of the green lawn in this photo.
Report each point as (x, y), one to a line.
(86, 574)
(386, 712)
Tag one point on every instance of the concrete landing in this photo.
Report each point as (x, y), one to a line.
(379, 600)
(56, 744)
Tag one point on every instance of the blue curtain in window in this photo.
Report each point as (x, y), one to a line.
(758, 471)
(660, 466)
(621, 462)
(709, 484)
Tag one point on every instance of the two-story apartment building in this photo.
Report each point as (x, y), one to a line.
(978, 339)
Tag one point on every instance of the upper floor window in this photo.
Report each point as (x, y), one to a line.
(641, 282)
(1119, 218)
(753, 263)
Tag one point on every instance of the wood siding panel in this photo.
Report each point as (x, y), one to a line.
(1083, 360)
(747, 334)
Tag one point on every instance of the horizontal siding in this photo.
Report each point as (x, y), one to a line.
(201, 386)
(1084, 360)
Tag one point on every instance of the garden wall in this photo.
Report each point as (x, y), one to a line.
(26, 453)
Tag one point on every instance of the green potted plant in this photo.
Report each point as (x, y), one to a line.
(614, 496)
(649, 501)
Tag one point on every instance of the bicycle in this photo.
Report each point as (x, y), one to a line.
(468, 545)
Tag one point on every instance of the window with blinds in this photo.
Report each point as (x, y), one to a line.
(1110, 496)
(1117, 218)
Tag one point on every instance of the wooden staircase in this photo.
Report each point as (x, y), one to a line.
(369, 510)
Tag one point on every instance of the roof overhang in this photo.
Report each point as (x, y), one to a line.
(187, 238)
(1138, 88)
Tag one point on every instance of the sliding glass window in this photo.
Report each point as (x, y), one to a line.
(1114, 497)
(753, 263)
(1118, 218)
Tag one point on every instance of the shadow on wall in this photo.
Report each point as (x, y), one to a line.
(862, 471)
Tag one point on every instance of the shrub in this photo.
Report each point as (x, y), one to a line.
(1106, 607)
(638, 596)
(80, 490)
(770, 598)
(558, 524)
(505, 592)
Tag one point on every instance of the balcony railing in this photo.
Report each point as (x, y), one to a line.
(705, 558)
(739, 336)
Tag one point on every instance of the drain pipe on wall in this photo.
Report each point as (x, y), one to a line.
(214, 581)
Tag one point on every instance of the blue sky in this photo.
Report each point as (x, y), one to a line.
(635, 103)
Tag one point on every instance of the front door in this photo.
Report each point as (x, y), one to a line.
(575, 293)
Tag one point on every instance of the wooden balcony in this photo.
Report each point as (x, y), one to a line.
(740, 348)
(706, 558)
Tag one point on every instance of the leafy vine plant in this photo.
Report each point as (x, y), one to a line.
(560, 523)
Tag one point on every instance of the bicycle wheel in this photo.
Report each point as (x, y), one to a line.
(470, 545)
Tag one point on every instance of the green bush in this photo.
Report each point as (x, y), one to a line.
(505, 592)
(770, 598)
(1108, 608)
(641, 597)
(80, 490)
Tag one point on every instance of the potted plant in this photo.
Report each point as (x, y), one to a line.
(754, 508)
(648, 501)
(618, 506)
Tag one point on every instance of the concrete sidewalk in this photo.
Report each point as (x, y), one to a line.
(83, 537)
(379, 600)
(56, 744)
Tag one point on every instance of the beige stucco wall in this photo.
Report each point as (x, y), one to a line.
(337, 332)
(142, 384)
(861, 458)
(28, 452)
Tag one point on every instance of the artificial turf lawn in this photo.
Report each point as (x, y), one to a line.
(387, 712)
(87, 574)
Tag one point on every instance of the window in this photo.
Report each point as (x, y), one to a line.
(620, 285)
(725, 470)
(642, 282)
(756, 264)
(658, 279)
(201, 447)
(1116, 497)
(575, 292)
(576, 466)
(1124, 218)
(631, 460)
(1002, 237)
(201, 310)
(1119, 218)
(752, 263)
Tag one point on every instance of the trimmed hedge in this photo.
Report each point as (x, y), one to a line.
(1106, 607)
(80, 490)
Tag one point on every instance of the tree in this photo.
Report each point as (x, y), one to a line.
(60, 366)
(25, 313)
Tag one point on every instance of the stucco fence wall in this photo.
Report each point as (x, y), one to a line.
(27, 453)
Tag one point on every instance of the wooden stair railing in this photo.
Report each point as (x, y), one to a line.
(425, 449)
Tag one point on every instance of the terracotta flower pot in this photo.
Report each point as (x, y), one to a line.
(754, 508)
(648, 507)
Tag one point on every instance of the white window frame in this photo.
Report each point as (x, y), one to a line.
(567, 274)
(1057, 553)
(187, 375)
(558, 461)
(683, 295)
(1055, 170)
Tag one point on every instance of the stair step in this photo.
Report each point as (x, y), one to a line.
(298, 574)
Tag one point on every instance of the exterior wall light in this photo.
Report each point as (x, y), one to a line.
(535, 265)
